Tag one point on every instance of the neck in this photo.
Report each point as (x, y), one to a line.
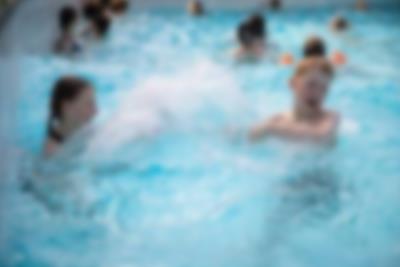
(307, 113)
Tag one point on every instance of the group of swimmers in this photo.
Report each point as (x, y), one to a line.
(73, 104)
(97, 16)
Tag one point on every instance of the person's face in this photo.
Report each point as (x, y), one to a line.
(82, 109)
(311, 88)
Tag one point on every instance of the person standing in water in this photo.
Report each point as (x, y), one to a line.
(308, 120)
(195, 8)
(72, 106)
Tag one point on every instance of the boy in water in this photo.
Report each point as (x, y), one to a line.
(339, 24)
(308, 120)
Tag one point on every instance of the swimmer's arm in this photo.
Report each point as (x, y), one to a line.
(264, 129)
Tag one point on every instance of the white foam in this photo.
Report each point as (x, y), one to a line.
(164, 100)
(349, 127)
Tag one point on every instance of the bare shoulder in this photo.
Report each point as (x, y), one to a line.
(267, 127)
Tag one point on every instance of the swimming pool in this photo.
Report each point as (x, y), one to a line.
(169, 179)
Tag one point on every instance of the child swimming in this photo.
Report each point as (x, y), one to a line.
(251, 36)
(67, 42)
(361, 5)
(308, 120)
(195, 8)
(72, 105)
(339, 24)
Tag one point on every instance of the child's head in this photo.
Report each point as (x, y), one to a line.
(244, 35)
(314, 47)
(339, 24)
(101, 25)
(67, 18)
(310, 82)
(256, 24)
(72, 102)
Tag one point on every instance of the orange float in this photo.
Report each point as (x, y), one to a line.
(286, 59)
(338, 58)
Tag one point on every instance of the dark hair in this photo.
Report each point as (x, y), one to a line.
(65, 89)
(67, 17)
(314, 46)
(91, 10)
(102, 24)
(256, 24)
(244, 36)
(119, 6)
(340, 23)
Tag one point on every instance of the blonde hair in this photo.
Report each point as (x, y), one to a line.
(311, 63)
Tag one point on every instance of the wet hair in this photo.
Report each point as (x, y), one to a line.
(66, 89)
(91, 10)
(102, 24)
(314, 46)
(256, 25)
(321, 63)
(119, 6)
(67, 17)
(244, 35)
(340, 23)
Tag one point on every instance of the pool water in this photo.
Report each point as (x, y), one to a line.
(166, 177)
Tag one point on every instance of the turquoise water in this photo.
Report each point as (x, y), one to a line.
(166, 177)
